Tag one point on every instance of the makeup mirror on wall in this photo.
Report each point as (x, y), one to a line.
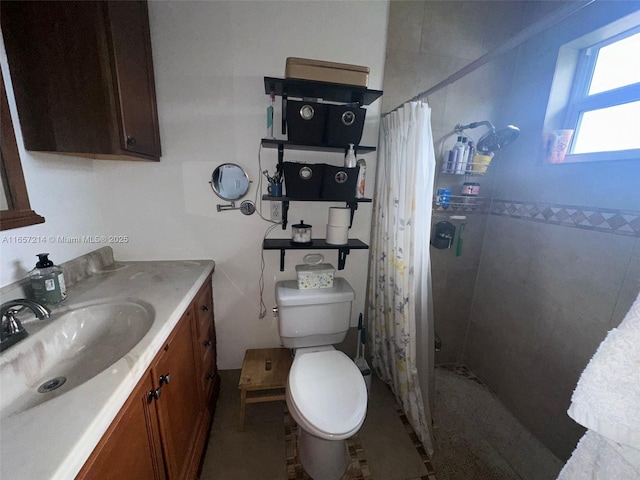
(15, 210)
(229, 181)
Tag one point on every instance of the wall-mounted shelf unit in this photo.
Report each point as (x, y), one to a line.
(284, 244)
(328, 92)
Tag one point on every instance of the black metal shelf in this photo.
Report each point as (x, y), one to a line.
(287, 145)
(289, 199)
(351, 203)
(332, 92)
(284, 244)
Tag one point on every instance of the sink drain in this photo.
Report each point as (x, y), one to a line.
(51, 385)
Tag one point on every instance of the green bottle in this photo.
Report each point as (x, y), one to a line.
(47, 281)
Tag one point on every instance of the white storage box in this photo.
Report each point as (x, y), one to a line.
(315, 276)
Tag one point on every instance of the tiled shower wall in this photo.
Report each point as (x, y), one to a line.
(560, 259)
(553, 262)
(426, 42)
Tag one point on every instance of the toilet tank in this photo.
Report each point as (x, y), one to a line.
(311, 317)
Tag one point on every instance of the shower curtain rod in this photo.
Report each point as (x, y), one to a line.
(515, 41)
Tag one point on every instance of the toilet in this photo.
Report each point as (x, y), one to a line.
(326, 393)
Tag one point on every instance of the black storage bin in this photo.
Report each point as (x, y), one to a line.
(344, 125)
(306, 121)
(303, 180)
(339, 183)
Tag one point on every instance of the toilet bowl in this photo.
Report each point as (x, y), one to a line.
(326, 393)
(327, 397)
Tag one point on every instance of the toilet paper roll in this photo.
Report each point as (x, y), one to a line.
(339, 216)
(337, 235)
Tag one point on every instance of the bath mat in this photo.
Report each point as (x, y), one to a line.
(357, 470)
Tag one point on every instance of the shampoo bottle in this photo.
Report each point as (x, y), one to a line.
(361, 178)
(47, 281)
(465, 155)
(270, 116)
(472, 154)
(350, 157)
(459, 149)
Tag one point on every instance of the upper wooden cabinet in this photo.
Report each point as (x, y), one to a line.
(82, 75)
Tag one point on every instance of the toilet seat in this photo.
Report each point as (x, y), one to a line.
(327, 394)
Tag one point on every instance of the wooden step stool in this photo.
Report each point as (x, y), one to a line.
(263, 377)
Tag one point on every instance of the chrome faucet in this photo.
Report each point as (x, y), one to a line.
(12, 331)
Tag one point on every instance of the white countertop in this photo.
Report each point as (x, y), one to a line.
(54, 439)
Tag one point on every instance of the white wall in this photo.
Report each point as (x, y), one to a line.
(210, 59)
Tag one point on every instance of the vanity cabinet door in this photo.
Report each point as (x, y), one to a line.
(179, 400)
(131, 447)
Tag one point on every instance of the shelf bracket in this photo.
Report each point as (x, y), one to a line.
(285, 213)
(282, 252)
(284, 113)
(353, 206)
(342, 257)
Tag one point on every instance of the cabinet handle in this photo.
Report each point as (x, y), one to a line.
(210, 376)
(154, 394)
(204, 308)
(207, 343)
(165, 379)
(131, 141)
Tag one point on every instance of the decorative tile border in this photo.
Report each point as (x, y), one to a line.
(607, 220)
(431, 471)
(477, 205)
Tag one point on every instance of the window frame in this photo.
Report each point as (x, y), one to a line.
(580, 101)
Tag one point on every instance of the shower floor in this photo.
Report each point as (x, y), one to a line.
(476, 436)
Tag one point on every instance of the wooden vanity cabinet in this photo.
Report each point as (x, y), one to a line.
(131, 447)
(82, 76)
(162, 430)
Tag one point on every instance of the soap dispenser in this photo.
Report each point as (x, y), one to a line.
(350, 157)
(47, 281)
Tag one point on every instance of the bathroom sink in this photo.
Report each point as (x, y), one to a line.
(78, 344)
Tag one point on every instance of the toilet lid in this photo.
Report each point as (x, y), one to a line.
(328, 390)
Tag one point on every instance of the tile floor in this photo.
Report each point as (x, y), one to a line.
(385, 448)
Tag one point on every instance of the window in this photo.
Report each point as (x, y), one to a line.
(604, 105)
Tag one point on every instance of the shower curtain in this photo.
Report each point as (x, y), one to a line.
(399, 285)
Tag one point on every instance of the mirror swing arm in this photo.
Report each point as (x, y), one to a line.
(247, 207)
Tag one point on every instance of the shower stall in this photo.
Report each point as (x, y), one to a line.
(551, 257)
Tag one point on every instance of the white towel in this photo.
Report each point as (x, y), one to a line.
(596, 459)
(607, 397)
